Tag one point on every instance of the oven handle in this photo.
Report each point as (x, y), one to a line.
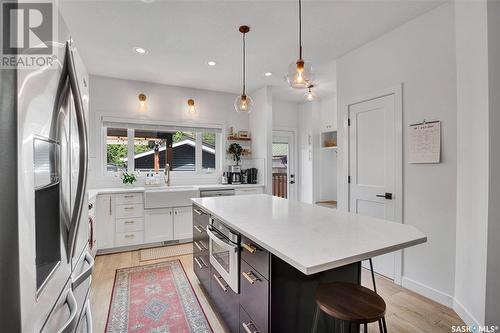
(224, 244)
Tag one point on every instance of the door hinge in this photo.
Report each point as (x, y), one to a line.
(348, 121)
(349, 179)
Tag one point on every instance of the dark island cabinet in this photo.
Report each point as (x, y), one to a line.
(274, 296)
(225, 300)
(201, 259)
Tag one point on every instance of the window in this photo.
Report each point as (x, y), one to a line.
(208, 140)
(184, 149)
(116, 149)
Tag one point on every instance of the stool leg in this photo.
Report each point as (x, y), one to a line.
(384, 323)
(380, 326)
(314, 328)
(373, 275)
(365, 328)
(349, 327)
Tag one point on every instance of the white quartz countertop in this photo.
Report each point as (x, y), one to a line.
(110, 190)
(309, 237)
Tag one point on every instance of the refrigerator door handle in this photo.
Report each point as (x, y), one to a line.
(88, 317)
(75, 282)
(82, 138)
(70, 324)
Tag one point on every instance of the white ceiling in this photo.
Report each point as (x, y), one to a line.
(182, 36)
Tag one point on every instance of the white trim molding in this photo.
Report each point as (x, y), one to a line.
(429, 292)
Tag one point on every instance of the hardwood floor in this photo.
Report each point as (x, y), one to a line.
(406, 311)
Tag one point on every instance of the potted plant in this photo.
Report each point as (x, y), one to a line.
(128, 179)
(235, 149)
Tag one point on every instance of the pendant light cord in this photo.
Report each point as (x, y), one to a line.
(244, 64)
(300, 29)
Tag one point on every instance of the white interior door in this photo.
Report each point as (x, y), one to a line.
(284, 149)
(374, 140)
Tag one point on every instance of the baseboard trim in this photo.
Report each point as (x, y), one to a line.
(428, 292)
(463, 313)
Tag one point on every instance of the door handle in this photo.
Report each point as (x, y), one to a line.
(85, 274)
(387, 195)
(69, 71)
(69, 325)
(220, 283)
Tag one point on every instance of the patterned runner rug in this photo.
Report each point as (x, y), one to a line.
(156, 298)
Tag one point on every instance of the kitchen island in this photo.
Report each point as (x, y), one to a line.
(286, 248)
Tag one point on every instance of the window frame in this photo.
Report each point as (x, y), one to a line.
(131, 125)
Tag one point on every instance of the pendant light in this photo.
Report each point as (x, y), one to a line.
(300, 74)
(243, 102)
(310, 95)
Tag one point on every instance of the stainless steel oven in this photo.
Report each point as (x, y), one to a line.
(224, 252)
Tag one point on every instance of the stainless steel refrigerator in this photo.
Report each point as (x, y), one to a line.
(45, 263)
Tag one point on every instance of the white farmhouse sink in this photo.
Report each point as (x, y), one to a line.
(164, 197)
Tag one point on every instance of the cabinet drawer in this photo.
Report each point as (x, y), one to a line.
(130, 224)
(254, 296)
(225, 300)
(129, 238)
(201, 267)
(200, 217)
(246, 323)
(200, 247)
(256, 256)
(128, 198)
(131, 210)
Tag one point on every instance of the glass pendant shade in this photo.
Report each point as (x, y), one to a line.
(243, 104)
(300, 74)
(310, 96)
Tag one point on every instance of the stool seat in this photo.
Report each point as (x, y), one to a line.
(350, 302)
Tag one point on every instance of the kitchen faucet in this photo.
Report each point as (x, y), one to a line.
(167, 174)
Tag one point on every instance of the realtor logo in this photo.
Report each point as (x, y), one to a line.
(27, 34)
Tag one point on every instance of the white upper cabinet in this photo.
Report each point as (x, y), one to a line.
(328, 114)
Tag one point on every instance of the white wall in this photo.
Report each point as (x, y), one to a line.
(421, 55)
(493, 272)
(116, 97)
(327, 178)
(305, 153)
(261, 127)
(472, 159)
(285, 114)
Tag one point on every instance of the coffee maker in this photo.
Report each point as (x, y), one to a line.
(235, 174)
(251, 176)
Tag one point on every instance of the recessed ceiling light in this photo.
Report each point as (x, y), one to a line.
(147, 1)
(140, 50)
(212, 63)
(268, 73)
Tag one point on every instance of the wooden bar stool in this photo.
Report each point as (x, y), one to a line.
(350, 303)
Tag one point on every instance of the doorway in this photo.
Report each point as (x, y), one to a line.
(375, 165)
(283, 166)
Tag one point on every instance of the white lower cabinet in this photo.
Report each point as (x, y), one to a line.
(105, 222)
(183, 222)
(129, 238)
(158, 225)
